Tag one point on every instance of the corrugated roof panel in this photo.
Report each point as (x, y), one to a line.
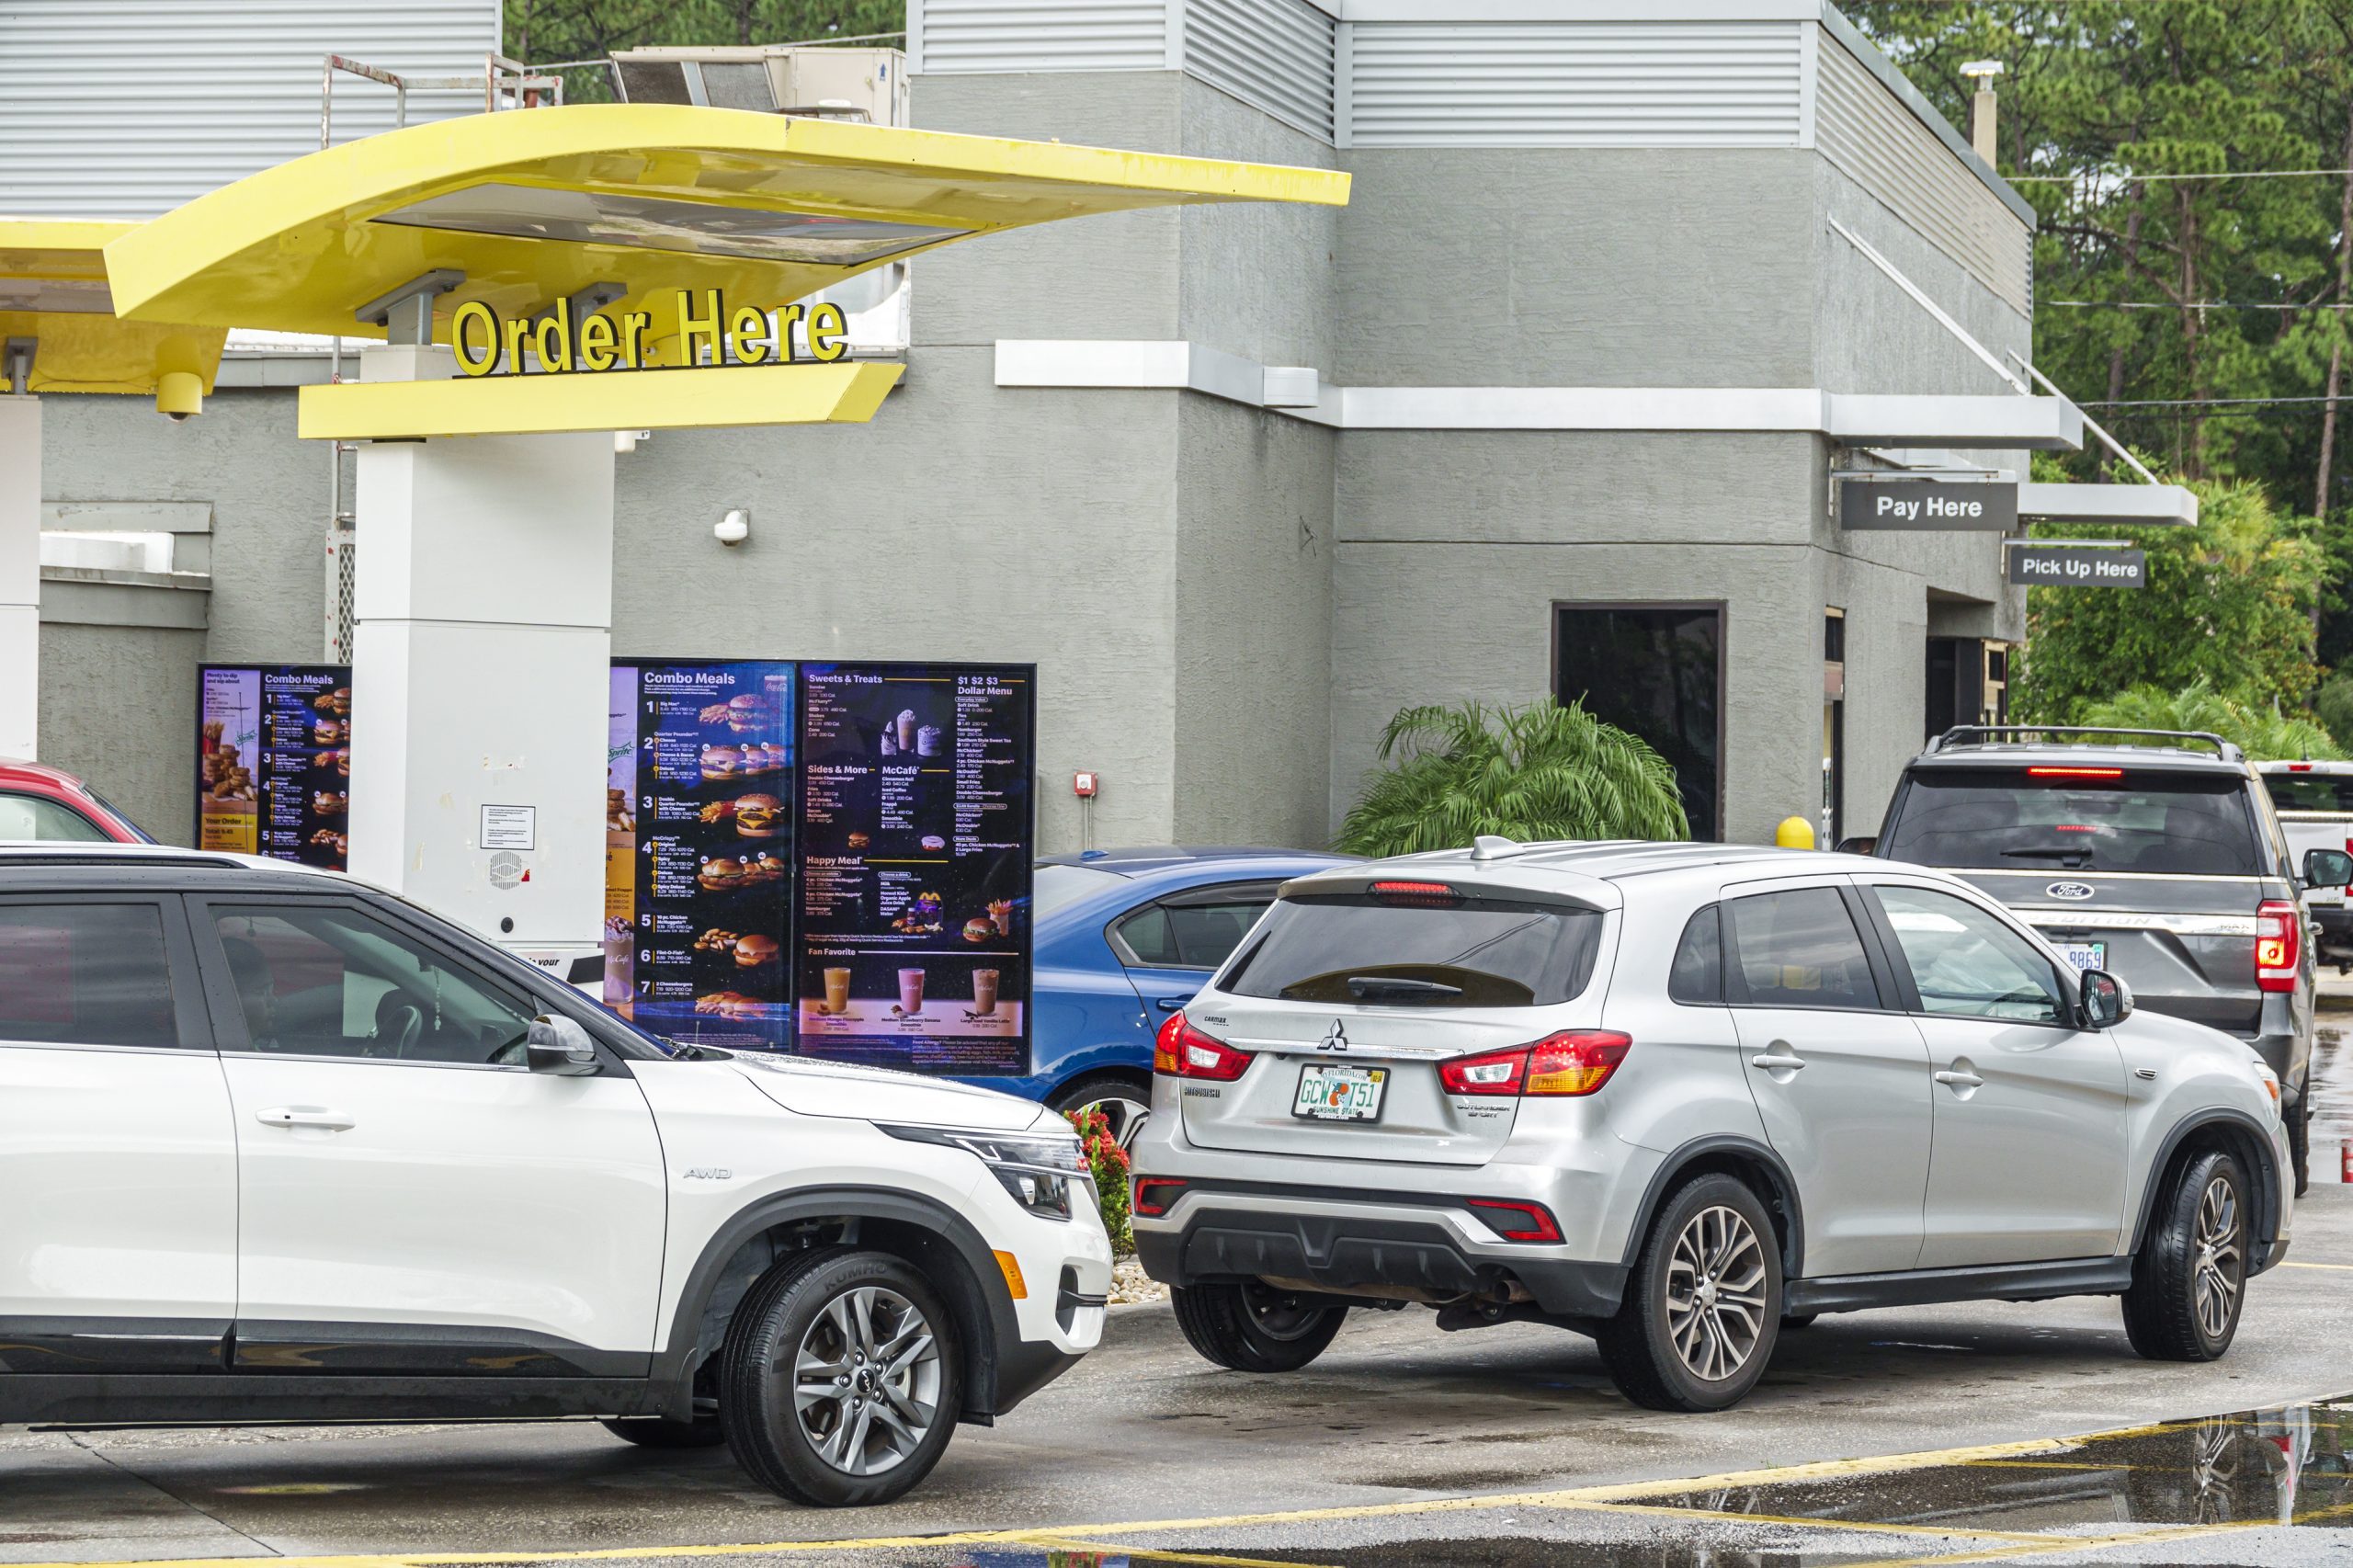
(1575, 84)
(1860, 127)
(1276, 56)
(1042, 35)
(126, 108)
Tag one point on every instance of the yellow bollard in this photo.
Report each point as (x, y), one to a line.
(1795, 833)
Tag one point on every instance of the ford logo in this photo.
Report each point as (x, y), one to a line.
(2072, 892)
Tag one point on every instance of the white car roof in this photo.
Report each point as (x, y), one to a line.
(22, 852)
(1592, 871)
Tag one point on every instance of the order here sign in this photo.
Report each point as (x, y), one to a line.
(1924, 504)
(2065, 566)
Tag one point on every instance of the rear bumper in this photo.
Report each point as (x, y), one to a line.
(1358, 1248)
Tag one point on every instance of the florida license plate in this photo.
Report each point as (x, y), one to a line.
(1340, 1094)
(2085, 955)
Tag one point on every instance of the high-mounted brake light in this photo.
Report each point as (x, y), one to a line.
(1180, 1051)
(2300, 768)
(1575, 1061)
(1518, 1221)
(1427, 895)
(2074, 773)
(2279, 945)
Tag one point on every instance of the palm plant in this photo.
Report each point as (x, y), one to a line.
(2255, 726)
(1538, 772)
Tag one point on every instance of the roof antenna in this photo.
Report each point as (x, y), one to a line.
(1492, 845)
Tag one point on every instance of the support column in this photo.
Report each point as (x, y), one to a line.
(19, 576)
(482, 641)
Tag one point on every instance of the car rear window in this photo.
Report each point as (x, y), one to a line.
(2310, 792)
(2076, 817)
(1477, 952)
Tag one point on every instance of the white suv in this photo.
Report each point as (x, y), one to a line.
(1677, 1097)
(279, 1146)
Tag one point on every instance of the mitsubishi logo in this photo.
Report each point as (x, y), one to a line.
(1336, 1040)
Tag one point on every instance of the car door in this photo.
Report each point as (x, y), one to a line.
(1171, 945)
(1839, 1072)
(412, 1198)
(118, 1252)
(2030, 1110)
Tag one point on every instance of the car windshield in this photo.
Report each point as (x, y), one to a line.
(2310, 792)
(2076, 818)
(1479, 953)
(1060, 886)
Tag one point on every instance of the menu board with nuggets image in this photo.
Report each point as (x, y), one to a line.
(699, 851)
(274, 761)
(915, 845)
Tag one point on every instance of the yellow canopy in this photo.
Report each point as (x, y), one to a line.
(53, 289)
(537, 204)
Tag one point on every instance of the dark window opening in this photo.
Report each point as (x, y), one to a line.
(1657, 671)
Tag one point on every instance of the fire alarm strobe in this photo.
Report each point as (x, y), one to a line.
(1084, 785)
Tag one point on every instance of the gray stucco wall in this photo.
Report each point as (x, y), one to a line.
(118, 708)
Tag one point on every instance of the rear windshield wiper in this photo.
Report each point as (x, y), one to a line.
(1365, 987)
(2055, 852)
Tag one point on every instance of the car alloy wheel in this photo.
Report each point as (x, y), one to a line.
(866, 1381)
(2220, 1258)
(1715, 1293)
(1123, 1113)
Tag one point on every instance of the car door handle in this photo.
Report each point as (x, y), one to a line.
(1771, 1062)
(1960, 1080)
(305, 1116)
(1171, 1003)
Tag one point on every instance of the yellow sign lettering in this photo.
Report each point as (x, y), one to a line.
(517, 332)
(692, 327)
(634, 325)
(828, 332)
(553, 341)
(747, 336)
(596, 343)
(473, 361)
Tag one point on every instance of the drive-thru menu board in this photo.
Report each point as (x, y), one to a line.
(916, 835)
(826, 858)
(274, 761)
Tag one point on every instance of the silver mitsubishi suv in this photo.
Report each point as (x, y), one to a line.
(1679, 1097)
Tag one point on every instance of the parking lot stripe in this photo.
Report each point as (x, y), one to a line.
(1670, 1511)
(1151, 1554)
(2337, 1268)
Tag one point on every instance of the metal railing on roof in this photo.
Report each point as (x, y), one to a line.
(1964, 735)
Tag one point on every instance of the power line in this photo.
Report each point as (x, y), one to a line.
(2122, 178)
(2195, 305)
(2208, 402)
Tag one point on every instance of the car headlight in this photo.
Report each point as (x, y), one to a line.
(1040, 1172)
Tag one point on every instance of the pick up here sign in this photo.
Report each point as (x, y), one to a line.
(2067, 566)
(1926, 504)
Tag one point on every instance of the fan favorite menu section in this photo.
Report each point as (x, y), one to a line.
(699, 851)
(915, 852)
(274, 761)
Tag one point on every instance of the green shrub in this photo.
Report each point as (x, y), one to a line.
(1109, 1164)
(1542, 771)
(2334, 705)
(2254, 726)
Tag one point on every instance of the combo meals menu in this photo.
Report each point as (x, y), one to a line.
(274, 761)
(827, 858)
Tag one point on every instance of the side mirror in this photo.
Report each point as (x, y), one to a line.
(2327, 868)
(1858, 846)
(2108, 1000)
(560, 1046)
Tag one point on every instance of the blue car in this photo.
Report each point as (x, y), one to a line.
(1123, 939)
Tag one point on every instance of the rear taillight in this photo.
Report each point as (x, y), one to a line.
(2279, 944)
(1575, 1061)
(1183, 1052)
(1154, 1195)
(1517, 1221)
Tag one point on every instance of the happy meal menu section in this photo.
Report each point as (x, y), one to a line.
(915, 854)
(699, 851)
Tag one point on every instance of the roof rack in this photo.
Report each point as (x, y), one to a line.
(1954, 736)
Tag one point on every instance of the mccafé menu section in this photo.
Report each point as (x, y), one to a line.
(274, 761)
(826, 858)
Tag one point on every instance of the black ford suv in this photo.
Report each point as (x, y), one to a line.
(2152, 855)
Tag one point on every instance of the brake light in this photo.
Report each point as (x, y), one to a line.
(1426, 895)
(1518, 1221)
(2074, 773)
(2279, 945)
(1155, 1195)
(1180, 1051)
(1575, 1061)
(2300, 768)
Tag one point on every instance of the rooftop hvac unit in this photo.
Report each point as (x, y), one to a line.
(855, 84)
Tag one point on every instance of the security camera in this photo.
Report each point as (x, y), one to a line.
(733, 529)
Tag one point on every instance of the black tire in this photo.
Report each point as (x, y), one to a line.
(2300, 1139)
(653, 1432)
(1254, 1328)
(780, 1320)
(1125, 1100)
(2176, 1309)
(1668, 1333)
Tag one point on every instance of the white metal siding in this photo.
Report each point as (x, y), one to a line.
(1041, 35)
(1273, 54)
(1867, 133)
(1570, 84)
(126, 108)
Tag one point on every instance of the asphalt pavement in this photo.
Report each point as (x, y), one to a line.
(1948, 1434)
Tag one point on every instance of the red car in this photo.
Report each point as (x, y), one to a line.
(49, 805)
